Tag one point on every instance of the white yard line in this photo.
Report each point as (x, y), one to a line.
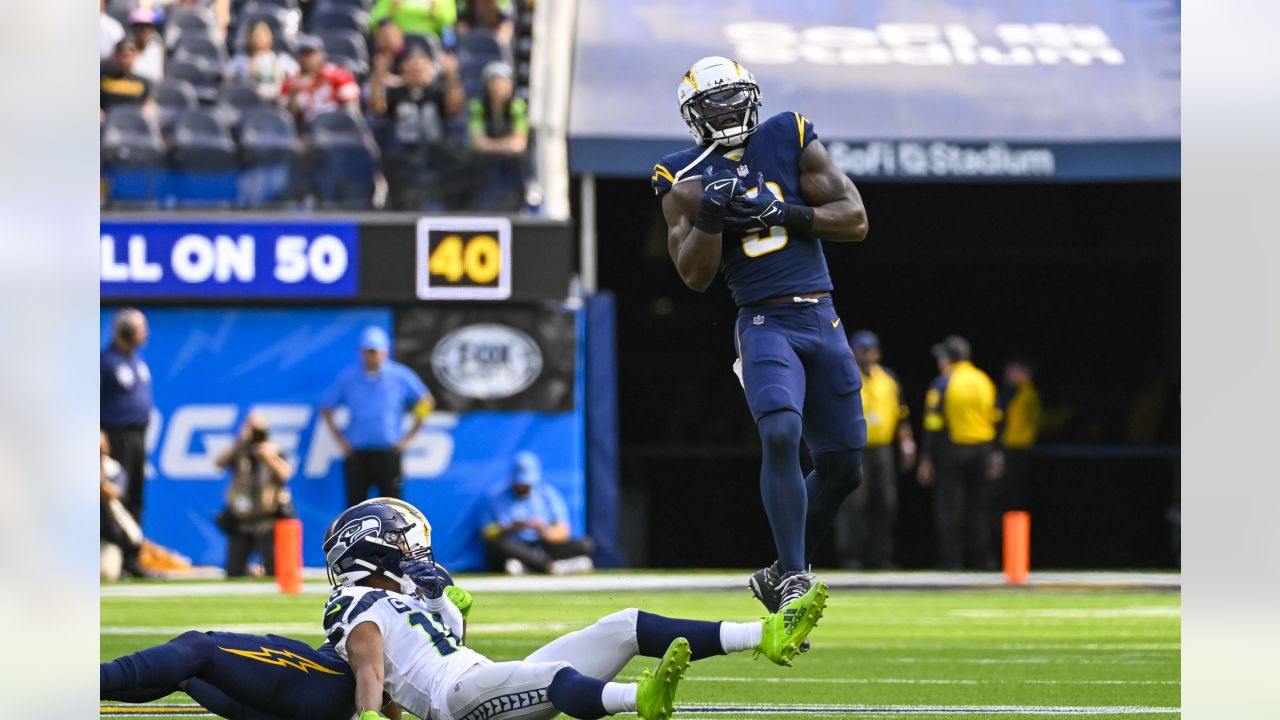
(692, 581)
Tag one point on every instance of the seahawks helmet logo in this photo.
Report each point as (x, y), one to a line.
(352, 533)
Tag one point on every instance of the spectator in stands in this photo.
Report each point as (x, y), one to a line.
(110, 32)
(960, 424)
(151, 52)
(499, 129)
(320, 86)
(118, 84)
(376, 393)
(257, 497)
(260, 66)
(418, 17)
(489, 15)
(125, 401)
(418, 111)
(526, 526)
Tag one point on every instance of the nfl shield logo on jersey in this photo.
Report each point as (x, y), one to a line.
(742, 171)
(757, 320)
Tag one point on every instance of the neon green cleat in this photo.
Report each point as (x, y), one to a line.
(786, 629)
(656, 691)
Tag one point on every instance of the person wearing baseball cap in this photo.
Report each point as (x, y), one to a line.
(959, 426)
(526, 525)
(864, 527)
(377, 393)
(151, 55)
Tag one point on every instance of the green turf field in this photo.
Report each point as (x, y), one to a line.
(925, 653)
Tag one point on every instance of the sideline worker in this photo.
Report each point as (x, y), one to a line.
(125, 402)
(960, 424)
(864, 528)
(1019, 404)
(377, 392)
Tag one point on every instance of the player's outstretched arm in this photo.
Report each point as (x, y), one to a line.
(838, 212)
(695, 216)
(364, 655)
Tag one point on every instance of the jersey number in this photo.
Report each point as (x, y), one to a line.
(756, 244)
(443, 640)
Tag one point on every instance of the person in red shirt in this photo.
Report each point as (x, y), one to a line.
(320, 87)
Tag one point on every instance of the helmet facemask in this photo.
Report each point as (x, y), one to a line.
(726, 114)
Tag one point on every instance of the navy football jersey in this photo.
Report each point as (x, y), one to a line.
(777, 263)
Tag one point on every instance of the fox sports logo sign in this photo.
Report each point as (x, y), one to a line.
(486, 361)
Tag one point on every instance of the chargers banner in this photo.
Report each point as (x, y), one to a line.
(228, 259)
(908, 89)
(210, 367)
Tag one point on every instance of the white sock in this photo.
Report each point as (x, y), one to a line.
(618, 697)
(737, 637)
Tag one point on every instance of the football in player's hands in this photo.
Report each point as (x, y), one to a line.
(424, 575)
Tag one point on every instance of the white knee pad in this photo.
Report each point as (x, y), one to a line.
(599, 650)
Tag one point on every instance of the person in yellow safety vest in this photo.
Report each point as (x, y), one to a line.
(1019, 404)
(959, 428)
(864, 527)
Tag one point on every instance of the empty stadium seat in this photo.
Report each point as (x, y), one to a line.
(343, 160)
(203, 78)
(269, 155)
(329, 16)
(234, 101)
(348, 49)
(130, 139)
(189, 22)
(173, 97)
(201, 50)
(204, 159)
(133, 167)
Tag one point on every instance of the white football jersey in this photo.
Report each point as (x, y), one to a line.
(422, 649)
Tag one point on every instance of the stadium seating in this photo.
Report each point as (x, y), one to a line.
(189, 22)
(201, 77)
(343, 160)
(269, 154)
(475, 50)
(234, 101)
(132, 156)
(204, 159)
(201, 50)
(330, 16)
(348, 49)
(173, 97)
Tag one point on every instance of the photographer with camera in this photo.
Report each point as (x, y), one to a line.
(257, 497)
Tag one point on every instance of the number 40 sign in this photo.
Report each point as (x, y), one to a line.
(464, 258)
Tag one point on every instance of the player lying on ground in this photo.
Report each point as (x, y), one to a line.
(379, 557)
(750, 201)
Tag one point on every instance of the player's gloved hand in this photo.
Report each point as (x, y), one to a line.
(764, 211)
(718, 189)
(461, 599)
(425, 576)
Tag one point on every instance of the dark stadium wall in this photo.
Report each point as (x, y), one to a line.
(1082, 278)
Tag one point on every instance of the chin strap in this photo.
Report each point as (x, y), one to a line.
(679, 177)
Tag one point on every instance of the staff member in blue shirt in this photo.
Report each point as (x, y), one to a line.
(125, 402)
(376, 392)
(526, 526)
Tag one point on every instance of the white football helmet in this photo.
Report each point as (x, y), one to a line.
(719, 101)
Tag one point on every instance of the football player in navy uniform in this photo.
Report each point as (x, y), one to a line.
(751, 200)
